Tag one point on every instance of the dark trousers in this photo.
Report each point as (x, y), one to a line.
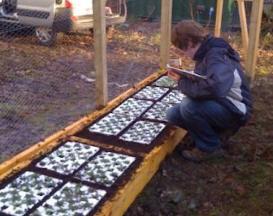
(205, 120)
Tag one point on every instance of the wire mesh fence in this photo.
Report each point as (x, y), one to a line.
(47, 75)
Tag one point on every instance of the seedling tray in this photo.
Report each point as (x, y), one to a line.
(48, 187)
(97, 165)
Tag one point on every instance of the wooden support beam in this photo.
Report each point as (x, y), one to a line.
(243, 22)
(100, 52)
(166, 25)
(219, 17)
(254, 35)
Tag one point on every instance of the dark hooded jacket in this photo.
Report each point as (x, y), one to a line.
(225, 82)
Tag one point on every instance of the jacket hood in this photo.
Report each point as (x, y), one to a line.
(213, 42)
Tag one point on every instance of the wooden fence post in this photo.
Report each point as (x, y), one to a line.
(100, 52)
(243, 22)
(219, 17)
(166, 25)
(254, 34)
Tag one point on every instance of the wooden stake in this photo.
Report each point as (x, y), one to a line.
(254, 34)
(219, 15)
(244, 30)
(100, 52)
(166, 24)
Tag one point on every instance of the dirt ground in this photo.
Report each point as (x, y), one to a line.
(45, 89)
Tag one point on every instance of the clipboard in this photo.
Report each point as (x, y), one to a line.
(185, 73)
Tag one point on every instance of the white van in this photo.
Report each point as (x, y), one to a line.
(49, 17)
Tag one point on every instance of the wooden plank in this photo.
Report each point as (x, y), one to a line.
(118, 205)
(219, 16)
(254, 36)
(243, 21)
(166, 24)
(100, 52)
(22, 159)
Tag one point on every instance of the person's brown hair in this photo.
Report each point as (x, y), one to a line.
(186, 31)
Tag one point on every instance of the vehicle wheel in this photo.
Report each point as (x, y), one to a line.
(9, 6)
(46, 36)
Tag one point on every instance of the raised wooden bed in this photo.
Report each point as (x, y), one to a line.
(99, 164)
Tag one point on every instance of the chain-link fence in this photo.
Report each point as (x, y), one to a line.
(47, 76)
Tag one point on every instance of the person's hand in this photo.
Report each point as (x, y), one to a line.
(173, 75)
